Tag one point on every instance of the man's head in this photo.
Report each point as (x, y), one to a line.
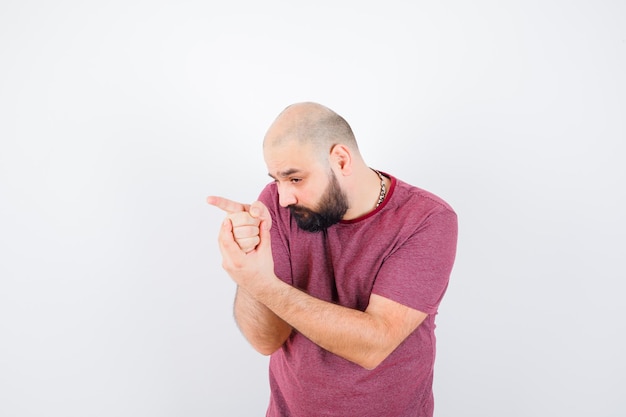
(311, 124)
(308, 150)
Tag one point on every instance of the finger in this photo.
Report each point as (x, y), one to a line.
(226, 240)
(245, 232)
(248, 244)
(260, 211)
(243, 218)
(227, 205)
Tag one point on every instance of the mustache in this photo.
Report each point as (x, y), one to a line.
(308, 219)
(295, 208)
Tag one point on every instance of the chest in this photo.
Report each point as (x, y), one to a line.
(340, 265)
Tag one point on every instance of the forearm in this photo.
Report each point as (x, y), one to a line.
(265, 331)
(352, 334)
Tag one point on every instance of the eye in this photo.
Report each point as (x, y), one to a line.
(295, 180)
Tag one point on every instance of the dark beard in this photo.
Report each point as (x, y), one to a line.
(331, 209)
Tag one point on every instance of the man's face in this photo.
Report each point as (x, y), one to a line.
(306, 186)
(330, 209)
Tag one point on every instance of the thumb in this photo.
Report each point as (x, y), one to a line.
(258, 210)
(225, 237)
(265, 235)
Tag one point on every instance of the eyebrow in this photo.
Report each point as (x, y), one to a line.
(286, 173)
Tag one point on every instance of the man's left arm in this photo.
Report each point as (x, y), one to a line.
(363, 337)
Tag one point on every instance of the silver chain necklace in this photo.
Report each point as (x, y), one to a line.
(383, 189)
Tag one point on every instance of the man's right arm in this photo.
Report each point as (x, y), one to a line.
(263, 329)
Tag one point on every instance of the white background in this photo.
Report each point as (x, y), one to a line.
(118, 118)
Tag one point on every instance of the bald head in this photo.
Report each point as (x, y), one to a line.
(311, 124)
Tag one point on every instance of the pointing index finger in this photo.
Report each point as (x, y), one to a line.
(227, 205)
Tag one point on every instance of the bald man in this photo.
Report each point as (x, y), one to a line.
(340, 270)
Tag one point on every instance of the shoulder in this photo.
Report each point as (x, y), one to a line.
(415, 213)
(412, 202)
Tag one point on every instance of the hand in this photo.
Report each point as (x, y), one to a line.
(245, 221)
(251, 270)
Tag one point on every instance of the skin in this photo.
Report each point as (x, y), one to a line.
(266, 308)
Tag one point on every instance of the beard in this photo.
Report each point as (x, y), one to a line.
(331, 209)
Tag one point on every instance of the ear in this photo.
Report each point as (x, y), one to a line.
(341, 158)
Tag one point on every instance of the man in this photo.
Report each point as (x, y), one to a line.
(339, 269)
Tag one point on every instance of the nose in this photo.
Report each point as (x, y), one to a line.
(286, 197)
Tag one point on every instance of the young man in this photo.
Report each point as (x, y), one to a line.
(340, 269)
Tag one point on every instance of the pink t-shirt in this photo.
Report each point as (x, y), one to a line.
(404, 251)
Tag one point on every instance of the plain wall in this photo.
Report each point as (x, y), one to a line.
(118, 118)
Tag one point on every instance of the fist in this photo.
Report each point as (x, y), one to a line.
(245, 230)
(245, 219)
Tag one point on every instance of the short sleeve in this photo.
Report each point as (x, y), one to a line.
(417, 272)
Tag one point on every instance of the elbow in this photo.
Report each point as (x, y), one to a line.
(266, 350)
(372, 356)
(266, 346)
(372, 361)
(368, 366)
(267, 343)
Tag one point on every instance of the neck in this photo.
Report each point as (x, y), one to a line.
(366, 186)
